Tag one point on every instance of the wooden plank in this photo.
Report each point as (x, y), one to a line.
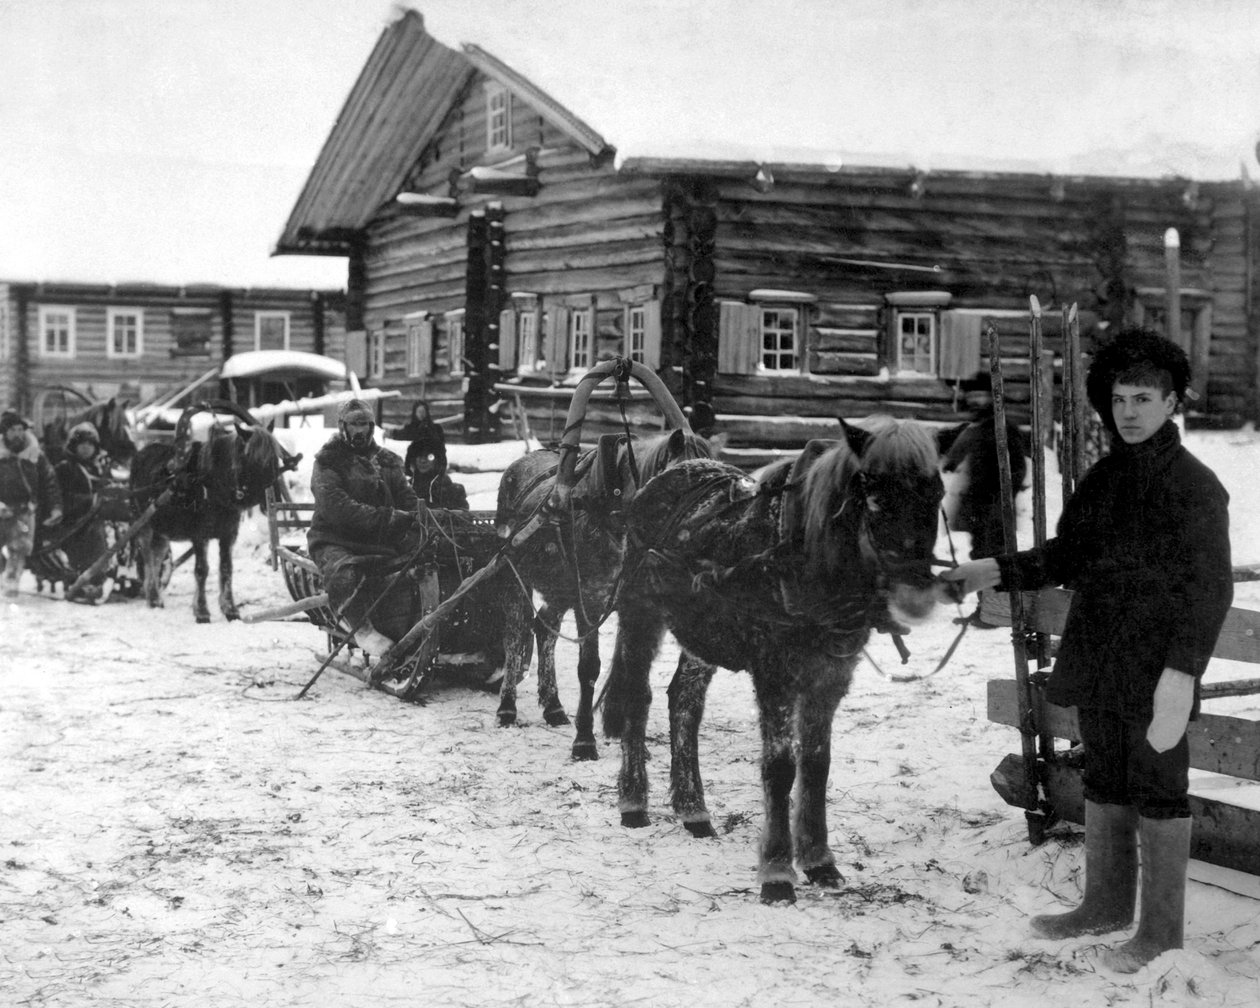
(1222, 834)
(1239, 639)
(1219, 744)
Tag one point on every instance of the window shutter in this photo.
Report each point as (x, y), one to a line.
(958, 355)
(652, 334)
(557, 345)
(738, 341)
(356, 352)
(507, 341)
(424, 348)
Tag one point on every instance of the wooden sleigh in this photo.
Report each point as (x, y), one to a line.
(457, 577)
(1044, 778)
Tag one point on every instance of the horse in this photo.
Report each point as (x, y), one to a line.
(110, 420)
(212, 483)
(573, 564)
(783, 576)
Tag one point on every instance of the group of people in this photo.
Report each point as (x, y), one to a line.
(48, 511)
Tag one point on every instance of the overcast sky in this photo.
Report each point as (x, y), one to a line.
(167, 140)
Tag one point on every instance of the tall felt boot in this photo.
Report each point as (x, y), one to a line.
(1111, 870)
(1165, 852)
(13, 573)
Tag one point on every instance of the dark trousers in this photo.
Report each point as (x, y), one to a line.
(355, 583)
(1121, 768)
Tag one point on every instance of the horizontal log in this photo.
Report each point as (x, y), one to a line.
(1222, 834)
(840, 316)
(828, 362)
(765, 431)
(846, 340)
(292, 609)
(839, 404)
(1219, 744)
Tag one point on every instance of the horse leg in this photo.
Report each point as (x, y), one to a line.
(201, 569)
(227, 604)
(686, 693)
(152, 548)
(546, 631)
(778, 773)
(517, 644)
(815, 713)
(584, 747)
(639, 632)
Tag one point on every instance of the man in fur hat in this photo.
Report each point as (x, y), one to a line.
(364, 523)
(80, 477)
(28, 493)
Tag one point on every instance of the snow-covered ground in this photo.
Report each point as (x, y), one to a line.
(176, 830)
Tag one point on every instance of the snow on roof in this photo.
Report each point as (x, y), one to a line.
(256, 362)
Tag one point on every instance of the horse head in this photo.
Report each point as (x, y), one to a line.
(899, 492)
(263, 459)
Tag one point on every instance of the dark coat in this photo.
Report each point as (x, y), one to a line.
(27, 479)
(1144, 545)
(440, 491)
(79, 482)
(980, 502)
(424, 435)
(363, 503)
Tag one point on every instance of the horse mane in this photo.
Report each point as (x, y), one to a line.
(656, 454)
(898, 446)
(831, 516)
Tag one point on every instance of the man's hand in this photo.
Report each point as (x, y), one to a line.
(972, 576)
(54, 518)
(1174, 696)
(5, 510)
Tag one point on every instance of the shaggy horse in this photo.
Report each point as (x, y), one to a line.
(573, 564)
(218, 480)
(110, 420)
(784, 577)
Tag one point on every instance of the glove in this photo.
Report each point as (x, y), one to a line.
(972, 576)
(54, 518)
(5, 510)
(1174, 697)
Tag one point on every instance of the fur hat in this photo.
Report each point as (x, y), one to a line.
(1138, 354)
(81, 432)
(355, 411)
(10, 419)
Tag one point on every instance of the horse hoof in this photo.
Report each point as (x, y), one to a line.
(634, 820)
(585, 752)
(777, 892)
(507, 719)
(555, 716)
(827, 875)
(202, 619)
(228, 616)
(701, 829)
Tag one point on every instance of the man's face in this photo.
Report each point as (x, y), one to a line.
(424, 463)
(85, 450)
(359, 433)
(15, 438)
(1140, 410)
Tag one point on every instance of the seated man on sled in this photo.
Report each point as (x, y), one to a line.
(363, 529)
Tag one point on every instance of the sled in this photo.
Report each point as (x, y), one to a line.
(1044, 779)
(478, 553)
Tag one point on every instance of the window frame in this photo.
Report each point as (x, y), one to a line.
(764, 352)
(581, 318)
(112, 315)
(498, 118)
(453, 322)
(45, 313)
(932, 315)
(636, 332)
(261, 316)
(416, 366)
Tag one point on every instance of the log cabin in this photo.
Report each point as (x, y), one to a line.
(140, 342)
(498, 245)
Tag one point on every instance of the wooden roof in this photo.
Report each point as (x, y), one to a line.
(395, 107)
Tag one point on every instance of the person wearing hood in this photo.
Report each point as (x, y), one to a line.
(971, 450)
(1144, 545)
(79, 477)
(29, 495)
(364, 522)
(420, 428)
(426, 468)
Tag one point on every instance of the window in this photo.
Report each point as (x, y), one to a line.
(765, 336)
(271, 330)
(580, 339)
(779, 339)
(455, 340)
(498, 118)
(419, 345)
(636, 332)
(916, 342)
(56, 331)
(527, 349)
(191, 329)
(124, 332)
(376, 353)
